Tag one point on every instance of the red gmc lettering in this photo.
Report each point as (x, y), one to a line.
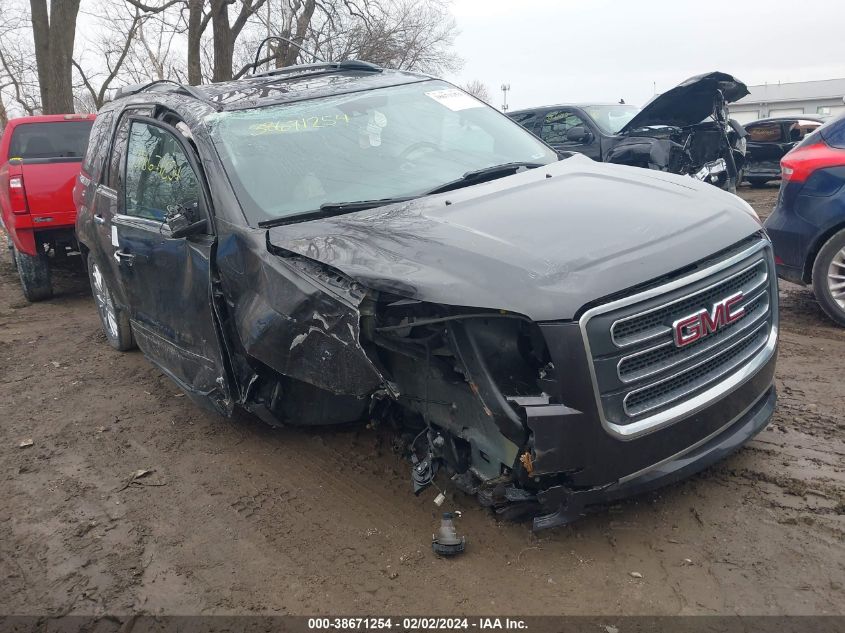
(690, 329)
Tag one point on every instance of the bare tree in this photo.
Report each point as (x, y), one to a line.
(113, 49)
(477, 89)
(132, 41)
(405, 34)
(18, 81)
(54, 32)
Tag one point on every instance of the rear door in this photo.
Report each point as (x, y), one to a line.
(167, 279)
(105, 204)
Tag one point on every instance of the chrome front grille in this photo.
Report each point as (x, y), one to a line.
(643, 379)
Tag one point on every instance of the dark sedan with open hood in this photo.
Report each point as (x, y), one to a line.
(337, 243)
(684, 131)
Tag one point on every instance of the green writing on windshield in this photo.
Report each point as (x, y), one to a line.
(298, 125)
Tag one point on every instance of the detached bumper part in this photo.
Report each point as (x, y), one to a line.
(563, 505)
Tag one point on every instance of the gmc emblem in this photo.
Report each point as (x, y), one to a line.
(703, 323)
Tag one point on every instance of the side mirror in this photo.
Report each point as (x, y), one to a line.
(578, 134)
(184, 220)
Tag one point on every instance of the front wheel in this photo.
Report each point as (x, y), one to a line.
(829, 278)
(34, 271)
(114, 320)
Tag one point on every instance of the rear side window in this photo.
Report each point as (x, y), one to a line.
(158, 173)
(98, 144)
(60, 139)
(834, 132)
(765, 132)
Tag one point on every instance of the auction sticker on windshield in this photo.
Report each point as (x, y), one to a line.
(454, 99)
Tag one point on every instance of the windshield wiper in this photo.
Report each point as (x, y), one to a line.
(331, 209)
(487, 173)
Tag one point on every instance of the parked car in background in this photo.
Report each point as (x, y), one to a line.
(339, 242)
(769, 140)
(684, 130)
(807, 226)
(40, 158)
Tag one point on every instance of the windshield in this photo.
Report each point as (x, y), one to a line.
(612, 118)
(399, 141)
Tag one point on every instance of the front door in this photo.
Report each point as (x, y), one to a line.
(167, 279)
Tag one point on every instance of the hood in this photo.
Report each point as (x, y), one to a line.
(689, 102)
(542, 243)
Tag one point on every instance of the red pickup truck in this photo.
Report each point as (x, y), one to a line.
(40, 159)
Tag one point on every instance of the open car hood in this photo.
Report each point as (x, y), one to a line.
(541, 243)
(689, 102)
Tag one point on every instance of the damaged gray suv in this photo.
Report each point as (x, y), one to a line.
(339, 242)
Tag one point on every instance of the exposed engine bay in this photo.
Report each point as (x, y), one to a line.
(687, 131)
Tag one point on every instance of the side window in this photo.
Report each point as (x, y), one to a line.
(98, 144)
(800, 129)
(557, 123)
(118, 155)
(158, 173)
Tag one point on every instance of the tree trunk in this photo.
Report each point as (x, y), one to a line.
(54, 37)
(222, 40)
(194, 41)
(41, 36)
(303, 22)
(4, 115)
(285, 53)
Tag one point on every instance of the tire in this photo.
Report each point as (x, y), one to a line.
(114, 320)
(757, 182)
(829, 278)
(34, 271)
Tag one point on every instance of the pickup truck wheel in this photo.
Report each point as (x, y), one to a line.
(34, 271)
(114, 320)
(829, 278)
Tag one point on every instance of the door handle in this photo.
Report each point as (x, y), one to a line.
(98, 219)
(124, 258)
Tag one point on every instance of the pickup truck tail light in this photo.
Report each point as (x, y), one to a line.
(17, 195)
(798, 164)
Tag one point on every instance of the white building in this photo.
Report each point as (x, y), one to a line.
(818, 98)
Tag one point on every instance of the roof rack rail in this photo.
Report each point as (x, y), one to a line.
(349, 64)
(152, 85)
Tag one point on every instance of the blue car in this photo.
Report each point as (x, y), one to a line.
(807, 226)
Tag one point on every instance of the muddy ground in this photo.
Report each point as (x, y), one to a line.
(239, 518)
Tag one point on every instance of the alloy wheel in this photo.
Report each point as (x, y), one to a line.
(836, 278)
(104, 303)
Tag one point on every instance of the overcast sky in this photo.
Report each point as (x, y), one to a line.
(554, 51)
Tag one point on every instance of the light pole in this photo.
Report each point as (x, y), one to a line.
(505, 88)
